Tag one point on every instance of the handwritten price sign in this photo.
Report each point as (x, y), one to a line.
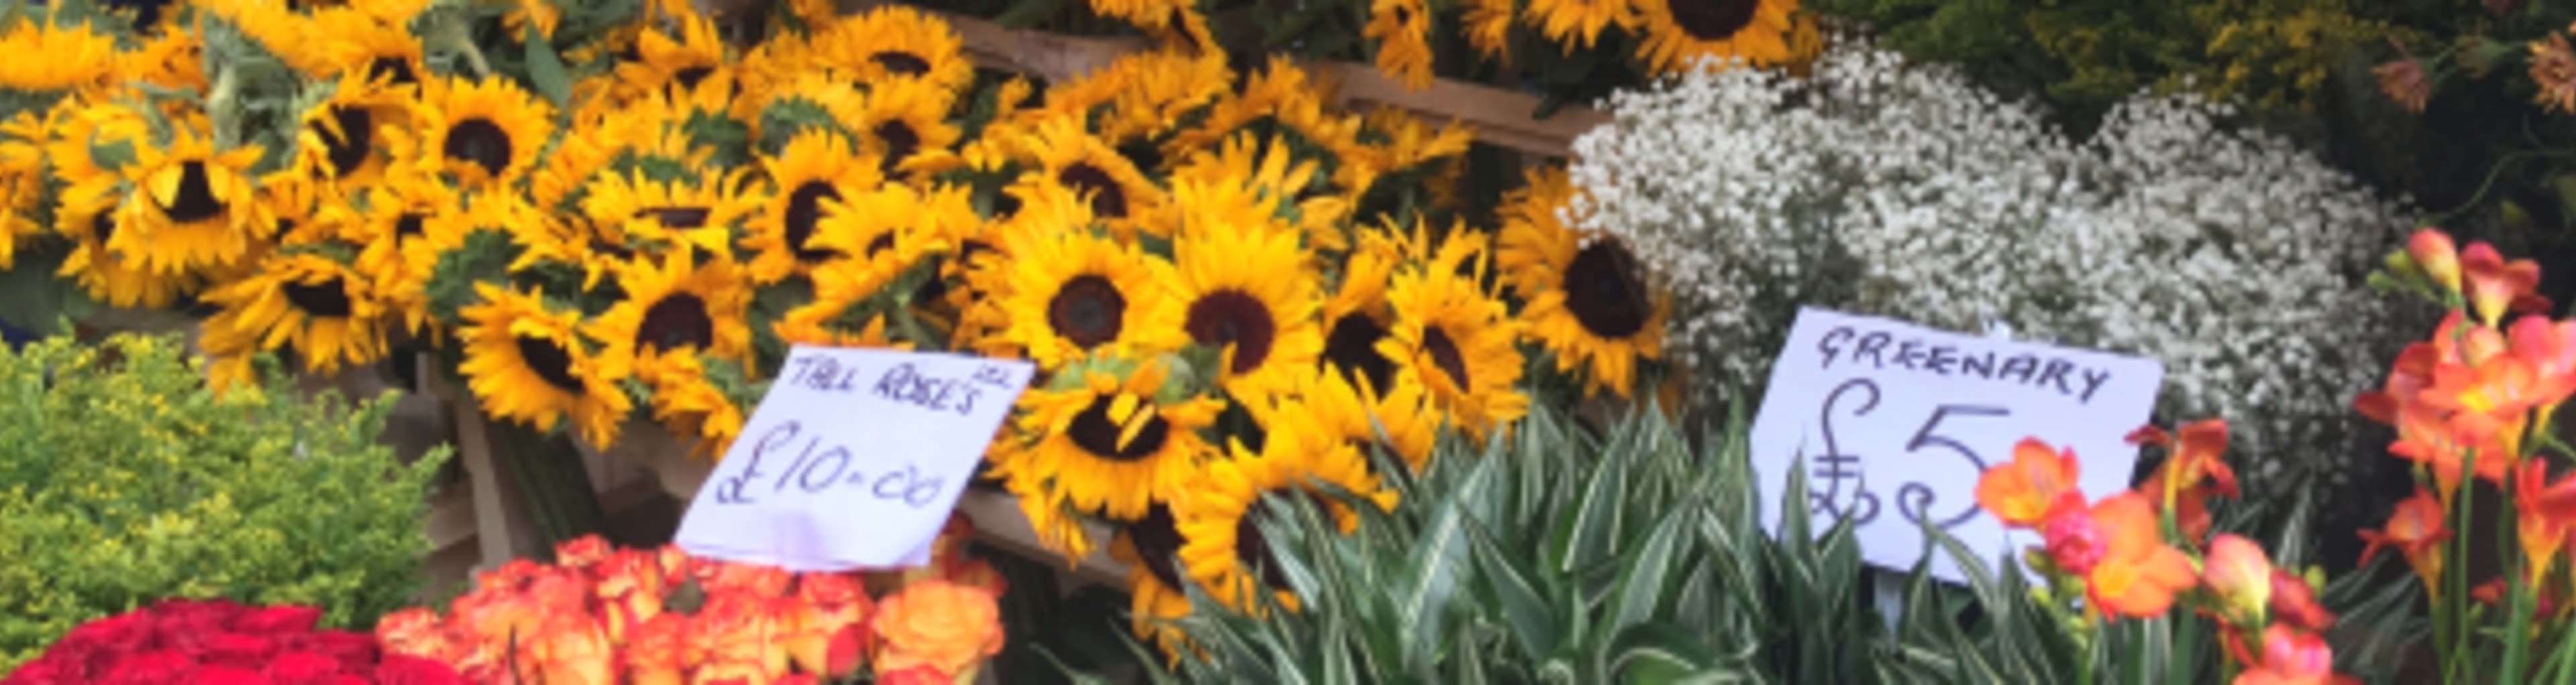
(853, 460)
(1895, 422)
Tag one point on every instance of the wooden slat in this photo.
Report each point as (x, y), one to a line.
(1500, 117)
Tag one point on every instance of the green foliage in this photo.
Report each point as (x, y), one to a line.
(123, 481)
(1635, 557)
(2088, 54)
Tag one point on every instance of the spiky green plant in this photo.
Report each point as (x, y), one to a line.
(1633, 556)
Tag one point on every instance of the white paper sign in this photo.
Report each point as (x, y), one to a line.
(1895, 422)
(853, 460)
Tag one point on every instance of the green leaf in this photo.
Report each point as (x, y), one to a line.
(1524, 611)
(1640, 596)
(546, 69)
(1654, 653)
(1588, 535)
(114, 154)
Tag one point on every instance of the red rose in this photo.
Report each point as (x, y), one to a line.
(192, 618)
(45, 671)
(302, 668)
(226, 675)
(278, 619)
(151, 668)
(239, 649)
(356, 653)
(120, 629)
(398, 669)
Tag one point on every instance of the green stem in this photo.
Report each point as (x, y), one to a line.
(2518, 621)
(2462, 668)
(2187, 636)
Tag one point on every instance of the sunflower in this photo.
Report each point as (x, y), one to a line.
(688, 405)
(1107, 440)
(484, 133)
(815, 166)
(818, 330)
(904, 124)
(1150, 95)
(54, 57)
(1572, 23)
(22, 181)
(1398, 141)
(1679, 35)
(1455, 340)
(524, 358)
(323, 310)
(170, 59)
(1069, 292)
(100, 261)
(692, 57)
(1251, 295)
(1398, 416)
(875, 239)
(894, 41)
(195, 209)
(399, 226)
(674, 307)
(1284, 96)
(624, 211)
(341, 138)
(1489, 28)
(1402, 29)
(1223, 546)
(1177, 24)
(376, 42)
(1243, 183)
(1357, 316)
(1150, 547)
(1120, 196)
(1586, 299)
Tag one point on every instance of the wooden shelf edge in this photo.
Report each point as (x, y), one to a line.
(1500, 117)
(998, 520)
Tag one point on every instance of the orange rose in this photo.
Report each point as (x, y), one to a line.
(719, 577)
(571, 649)
(917, 675)
(738, 631)
(829, 616)
(420, 632)
(581, 552)
(937, 623)
(630, 589)
(656, 651)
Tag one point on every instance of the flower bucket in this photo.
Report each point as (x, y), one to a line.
(647, 446)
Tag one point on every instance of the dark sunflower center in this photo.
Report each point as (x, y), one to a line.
(1404, 15)
(1088, 310)
(1233, 317)
(348, 150)
(196, 200)
(679, 320)
(1005, 206)
(481, 142)
(1251, 548)
(1602, 290)
(1444, 354)
(883, 241)
(1713, 20)
(678, 218)
(1143, 153)
(1107, 200)
(1158, 541)
(900, 143)
(804, 210)
(550, 361)
(903, 63)
(690, 77)
(409, 225)
(397, 69)
(1094, 432)
(1352, 345)
(103, 226)
(328, 299)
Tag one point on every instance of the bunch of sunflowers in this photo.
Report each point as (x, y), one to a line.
(605, 218)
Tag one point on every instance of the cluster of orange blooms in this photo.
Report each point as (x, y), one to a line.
(601, 616)
(2477, 398)
(2139, 553)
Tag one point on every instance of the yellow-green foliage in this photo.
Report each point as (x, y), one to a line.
(2090, 53)
(123, 481)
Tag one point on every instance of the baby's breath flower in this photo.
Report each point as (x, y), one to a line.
(1903, 190)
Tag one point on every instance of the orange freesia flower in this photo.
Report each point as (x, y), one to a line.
(2291, 657)
(2439, 257)
(943, 625)
(2495, 284)
(2406, 378)
(2415, 529)
(2240, 574)
(2189, 461)
(2138, 574)
(2035, 483)
(826, 634)
(2427, 436)
(2294, 603)
(2549, 349)
(2545, 513)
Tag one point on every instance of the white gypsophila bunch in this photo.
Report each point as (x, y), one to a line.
(1879, 187)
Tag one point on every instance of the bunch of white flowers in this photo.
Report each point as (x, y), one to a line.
(1880, 187)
